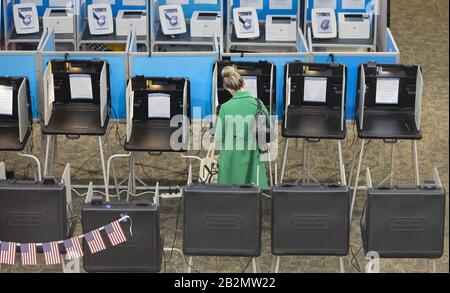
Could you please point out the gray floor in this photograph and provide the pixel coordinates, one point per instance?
(421, 31)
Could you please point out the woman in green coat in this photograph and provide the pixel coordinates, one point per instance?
(239, 158)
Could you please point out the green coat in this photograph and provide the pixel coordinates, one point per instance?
(239, 156)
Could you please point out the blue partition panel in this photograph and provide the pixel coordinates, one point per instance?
(118, 6)
(198, 69)
(353, 63)
(262, 13)
(117, 67)
(188, 9)
(279, 62)
(338, 8)
(22, 64)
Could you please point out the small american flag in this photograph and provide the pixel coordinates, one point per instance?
(28, 254)
(73, 248)
(8, 252)
(51, 253)
(115, 233)
(94, 241)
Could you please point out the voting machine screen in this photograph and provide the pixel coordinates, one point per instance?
(390, 86)
(259, 80)
(316, 84)
(78, 81)
(159, 98)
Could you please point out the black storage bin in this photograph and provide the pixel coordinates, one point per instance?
(32, 211)
(404, 222)
(222, 220)
(142, 252)
(310, 219)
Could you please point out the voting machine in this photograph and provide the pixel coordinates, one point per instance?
(76, 97)
(158, 114)
(259, 79)
(15, 113)
(389, 101)
(314, 100)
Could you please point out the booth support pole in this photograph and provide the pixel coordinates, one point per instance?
(102, 158)
(355, 189)
(304, 161)
(392, 164)
(415, 162)
(113, 167)
(283, 166)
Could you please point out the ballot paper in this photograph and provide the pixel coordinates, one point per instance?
(280, 4)
(315, 89)
(159, 106)
(387, 91)
(258, 4)
(6, 100)
(80, 86)
(251, 85)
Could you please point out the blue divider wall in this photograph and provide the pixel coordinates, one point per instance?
(279, 62)
(22, 64)
(198, 69)
(338, 8)
(266, 11)
(188, 9)
(117, 66)
(353, 63)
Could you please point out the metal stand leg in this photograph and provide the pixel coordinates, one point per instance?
(283, 166)
(47, 153)
(255, 265)
(355, 190)
(415, 162)
(102, 158)
(433, 264)
(276, 265)
(54, 153)
(392, 165)
(341, 264)
(190, 261)
(113, 167)
(304, 163)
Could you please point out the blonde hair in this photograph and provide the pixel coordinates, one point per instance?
(232, 80)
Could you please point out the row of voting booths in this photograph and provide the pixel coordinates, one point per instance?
(314, 85)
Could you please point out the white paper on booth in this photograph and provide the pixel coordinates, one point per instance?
(6, 100)
(60, 3)
(387, 91)
(205, 2)
(177, 2)
(80, 86)
(258, 4)
(251, 85)
(37, 2)
(353, 4)
(158, 105)
(325, 4)
(112, 2)
(133, 2)
(280, 4)
(315, 89)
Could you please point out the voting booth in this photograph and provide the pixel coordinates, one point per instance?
(404, 221)
(259, 79)
(222, 220)
(15, 113)
(389, 109)
(186, 26)
(263, 26)
(24, 23)
(105, 26)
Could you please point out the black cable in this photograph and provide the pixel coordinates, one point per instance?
(245, 268)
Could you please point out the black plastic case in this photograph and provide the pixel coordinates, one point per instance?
(404, 222)
(310, 219)
(222, 220)
(140, 253)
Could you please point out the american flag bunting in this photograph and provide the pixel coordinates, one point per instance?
(51, 253)
(115, 233)
(73, 247)
(8, 253)
(94, 241)
(28, 254)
